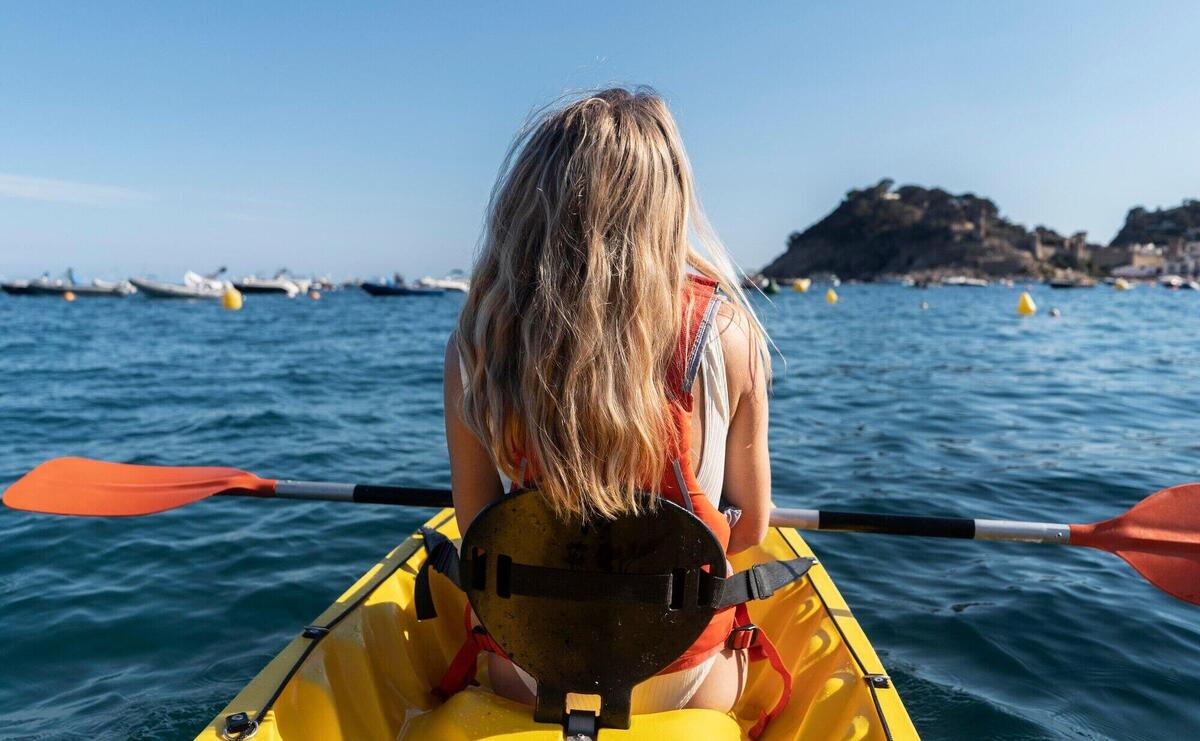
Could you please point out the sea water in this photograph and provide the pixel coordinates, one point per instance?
(144, 628)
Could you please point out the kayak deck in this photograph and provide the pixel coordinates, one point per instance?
(369, 676)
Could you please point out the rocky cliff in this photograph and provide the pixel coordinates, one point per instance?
(911, 230)
(1161, 226)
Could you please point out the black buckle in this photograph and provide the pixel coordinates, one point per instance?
(742, 636)
(760, 588)
(315, 632)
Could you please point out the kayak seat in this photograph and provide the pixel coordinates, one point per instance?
(589, 608)
(477, 713)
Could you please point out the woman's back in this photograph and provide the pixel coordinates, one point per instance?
(580, 314)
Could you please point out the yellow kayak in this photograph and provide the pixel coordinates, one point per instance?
(363, 670)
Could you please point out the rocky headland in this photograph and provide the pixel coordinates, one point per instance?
(919, 232)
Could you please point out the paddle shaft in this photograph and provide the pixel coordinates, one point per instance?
(406, 496)
(803, 519)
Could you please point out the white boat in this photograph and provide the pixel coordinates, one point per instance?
(962, 280)
(454, 281)
(194, 286)
(281, 283)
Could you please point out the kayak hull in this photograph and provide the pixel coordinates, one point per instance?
(369, 676)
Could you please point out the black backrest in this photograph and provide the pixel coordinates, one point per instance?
(591, 609)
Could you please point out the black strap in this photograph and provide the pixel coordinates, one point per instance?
(757, 582)
(442, 557)
(585, 586)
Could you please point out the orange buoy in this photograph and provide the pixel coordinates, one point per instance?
(69, 296)
(315, 295)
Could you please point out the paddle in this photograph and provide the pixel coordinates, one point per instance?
(1159, 536)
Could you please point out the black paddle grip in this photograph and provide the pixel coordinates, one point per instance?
(405, 496)
(863, 522)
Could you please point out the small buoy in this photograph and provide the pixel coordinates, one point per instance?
(924, 305)
(1025, 305)
(69, 296)
(1054, 311)
(231, 299)
(1122, 285)
(315, 295)
(801, 285)
(831, 297)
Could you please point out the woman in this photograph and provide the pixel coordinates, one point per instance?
(571, 324)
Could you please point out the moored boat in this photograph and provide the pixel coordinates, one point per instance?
(194, 286)
(1072, 282)
(400, 289)
(45, 286)
(365, 669)
(281, 283)
(20, 288)
(962, 281)
(454, 281)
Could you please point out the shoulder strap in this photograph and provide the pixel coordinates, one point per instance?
(700, 307)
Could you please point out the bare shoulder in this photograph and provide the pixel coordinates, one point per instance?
(451, 373)
(741, 359)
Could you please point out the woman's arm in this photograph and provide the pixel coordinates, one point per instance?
(747, 460)
(473, 475)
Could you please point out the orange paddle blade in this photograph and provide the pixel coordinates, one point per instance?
(80, 486)
(1159, 536)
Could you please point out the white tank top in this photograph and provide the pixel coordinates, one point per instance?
(714, 403)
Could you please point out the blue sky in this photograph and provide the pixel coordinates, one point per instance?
(362, 138)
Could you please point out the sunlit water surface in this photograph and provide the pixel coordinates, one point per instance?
(144, 628)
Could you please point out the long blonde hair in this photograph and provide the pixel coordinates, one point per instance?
(576, 301)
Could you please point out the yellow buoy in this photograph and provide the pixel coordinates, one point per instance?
(801, 285)
(69, 296)
(315, 295)
(231, 299)
(831, 297)
(1025, 305)
(1122, 285)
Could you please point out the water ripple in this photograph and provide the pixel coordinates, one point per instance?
(150, 625)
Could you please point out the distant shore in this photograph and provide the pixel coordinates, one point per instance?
(930, 235)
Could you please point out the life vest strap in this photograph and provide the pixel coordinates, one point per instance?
(760, 647)
(442, 556)
(463, 666)
(757, 582)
